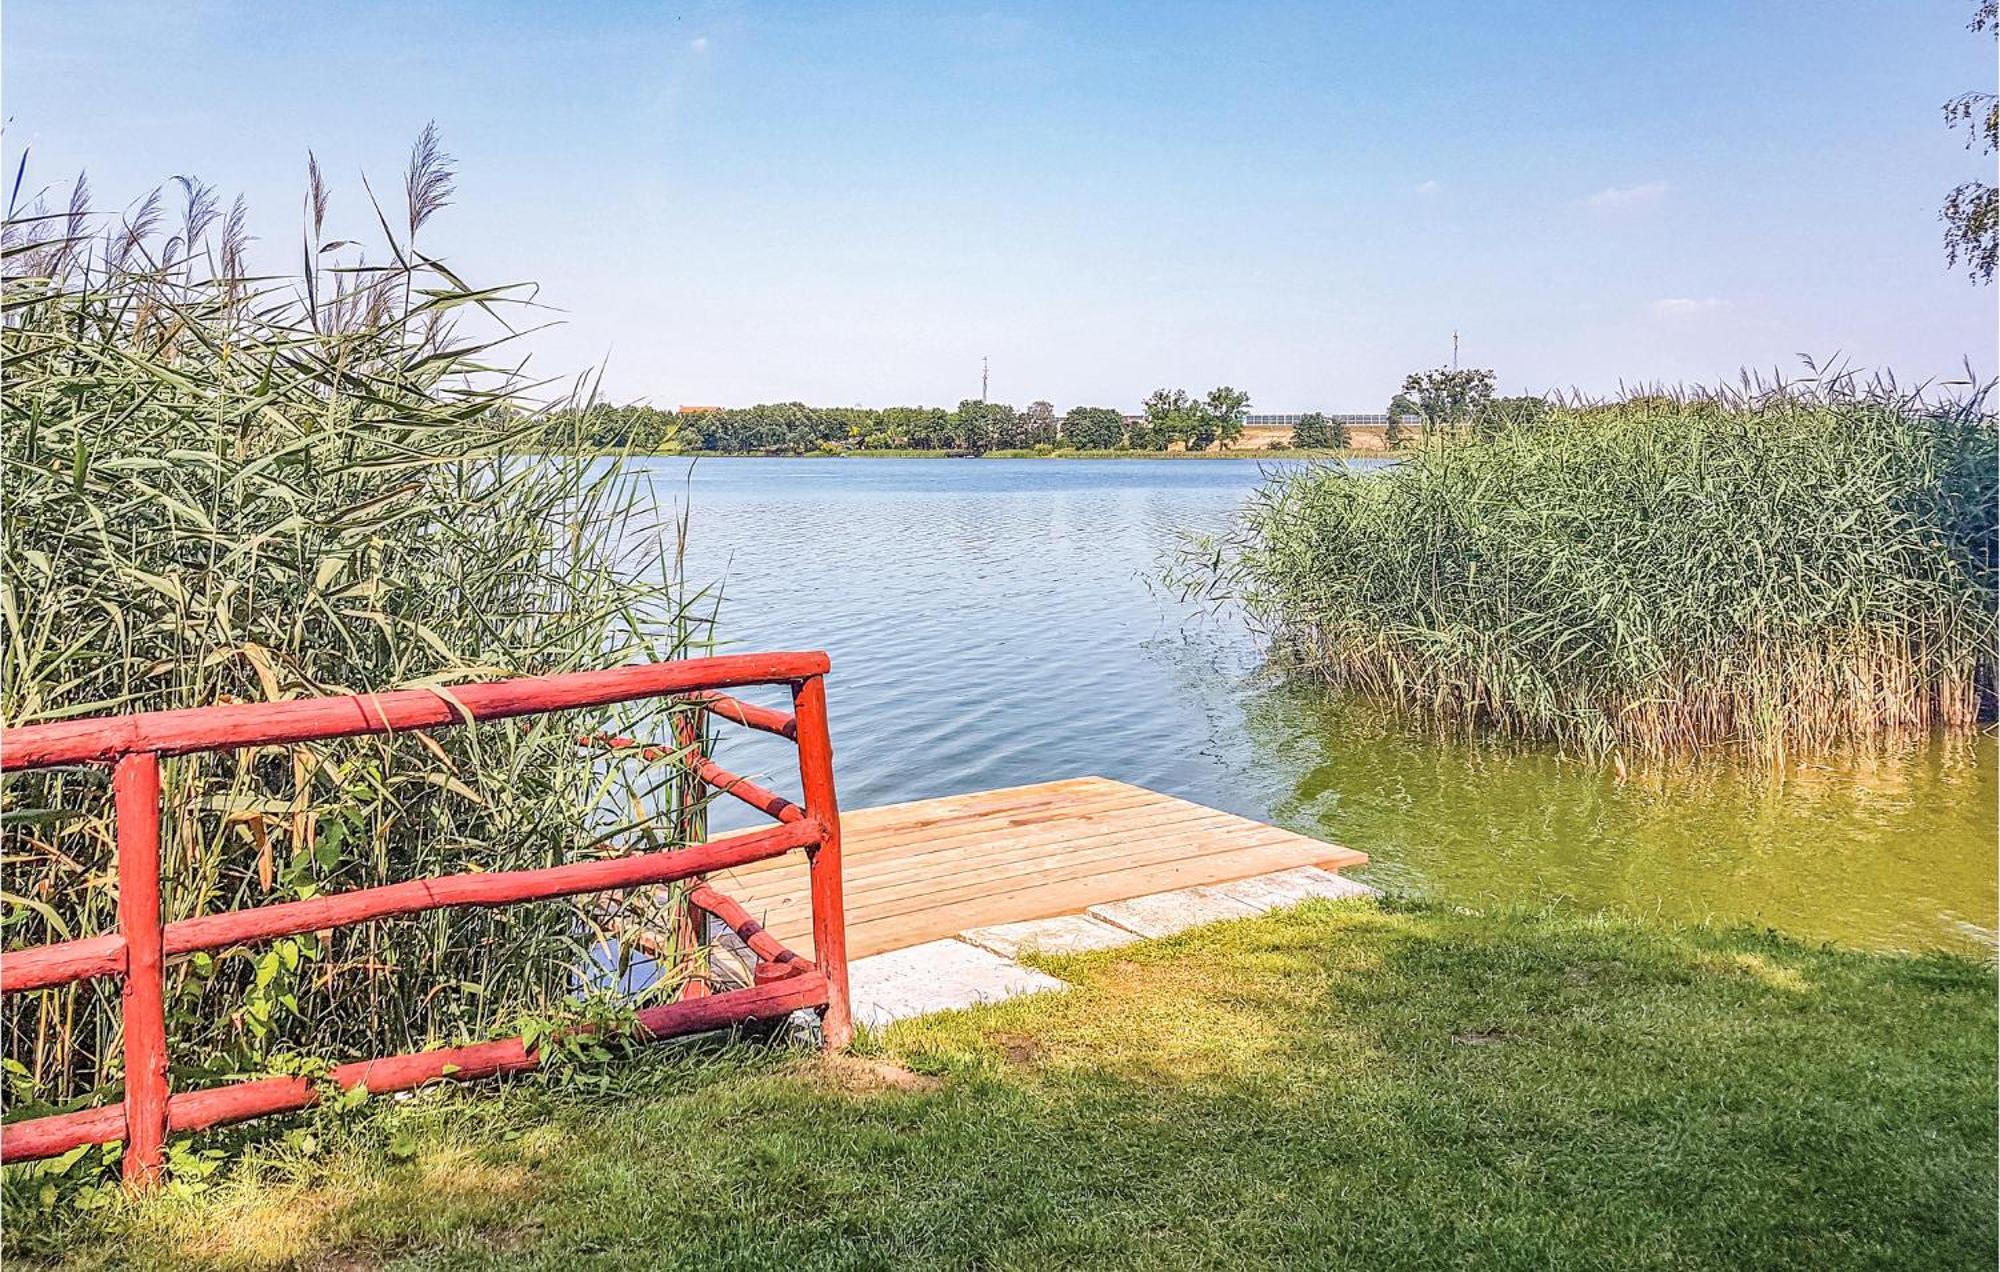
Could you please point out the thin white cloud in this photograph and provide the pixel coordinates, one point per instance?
(1688, 306)
(1628, 196)
(1428, 187)
(699, 44)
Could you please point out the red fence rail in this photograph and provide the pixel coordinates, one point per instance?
(134, 744)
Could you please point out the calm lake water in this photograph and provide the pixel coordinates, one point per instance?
(997, 622)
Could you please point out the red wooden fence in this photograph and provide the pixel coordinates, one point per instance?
(138, 951)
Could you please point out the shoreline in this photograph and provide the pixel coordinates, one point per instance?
(1286, 453)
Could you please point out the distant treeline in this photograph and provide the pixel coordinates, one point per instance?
(1169, 416)
(1446, 399)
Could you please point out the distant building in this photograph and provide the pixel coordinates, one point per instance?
(1375, 420)
(699, 410)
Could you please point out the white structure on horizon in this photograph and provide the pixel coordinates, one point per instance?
(1379, 419)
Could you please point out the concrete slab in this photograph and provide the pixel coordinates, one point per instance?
(1063, 934)
(935, 976)
(1165, 913)
(1284, 888)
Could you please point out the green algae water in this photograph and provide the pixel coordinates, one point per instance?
(998, 622)
(1893, 849)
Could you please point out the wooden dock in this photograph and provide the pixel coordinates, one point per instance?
(933, 868)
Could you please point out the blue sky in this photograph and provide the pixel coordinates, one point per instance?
(854, 203)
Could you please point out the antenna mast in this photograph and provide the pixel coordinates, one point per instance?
(1454, 348)
(982, 377)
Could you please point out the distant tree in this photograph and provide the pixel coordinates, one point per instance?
(850, 424)
(1396, 436)
(721, 430)
(1141, 435)
(1037, 425)
(790, 428)
(1093, 428)
(769, 428)
(1971, 213)
(1218, 417)
(1006, 432)
(1315, 431)
(603, 426)
(1163, 403)
(980, 425)
(1170, 417)
(1002, 422)
(1450, 398)
(917, 428)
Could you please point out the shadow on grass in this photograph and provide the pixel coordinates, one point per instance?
(1340, 1084)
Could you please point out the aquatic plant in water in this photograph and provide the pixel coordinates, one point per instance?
(1782, 567)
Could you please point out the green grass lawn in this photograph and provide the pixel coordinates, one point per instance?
(1339, 1085)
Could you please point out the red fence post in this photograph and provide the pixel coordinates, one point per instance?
(135, 786)
(689, 929)
(829, 915)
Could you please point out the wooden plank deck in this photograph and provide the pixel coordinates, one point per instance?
(920, 871)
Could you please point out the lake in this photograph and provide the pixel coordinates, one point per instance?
(998, 622)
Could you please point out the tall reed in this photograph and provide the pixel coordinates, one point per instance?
(1781, 567)
(223, 487)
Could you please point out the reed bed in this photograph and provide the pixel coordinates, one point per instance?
(224, 487)
(1780, 568)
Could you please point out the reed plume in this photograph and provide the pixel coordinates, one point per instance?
(227, 487)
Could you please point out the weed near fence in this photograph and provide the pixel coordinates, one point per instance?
(225, 487)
